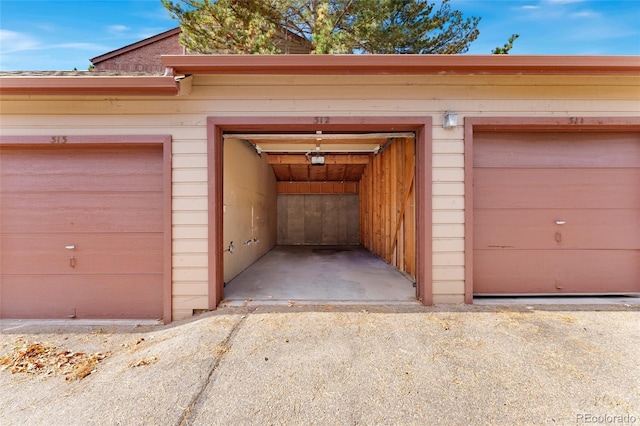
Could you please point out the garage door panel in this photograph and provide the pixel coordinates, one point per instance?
(539, 271)
(537, 228)
(93, 254)
(107, 201)
(557, 150)
(66, 169)
(556, 188)
(525, 182)
(89, 212)
(95, 296)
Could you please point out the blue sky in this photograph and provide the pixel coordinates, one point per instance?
(61, 35)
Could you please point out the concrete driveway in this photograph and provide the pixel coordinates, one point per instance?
(366, 365)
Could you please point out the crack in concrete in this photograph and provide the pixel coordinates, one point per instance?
(227, 342)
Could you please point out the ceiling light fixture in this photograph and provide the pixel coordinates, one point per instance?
(317, 160)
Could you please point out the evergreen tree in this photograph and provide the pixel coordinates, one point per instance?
(322, 26)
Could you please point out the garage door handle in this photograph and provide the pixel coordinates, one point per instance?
(72, 262)
(558, 236)
(560, 222)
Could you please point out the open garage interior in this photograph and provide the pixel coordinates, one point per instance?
(556, 213)
(322, 217)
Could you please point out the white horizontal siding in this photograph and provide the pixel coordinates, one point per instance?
(447, 202)
(447, 146)
(191, 260)
(448, 273)
(189, 231)
(189, 175)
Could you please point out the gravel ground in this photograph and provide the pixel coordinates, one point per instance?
(368, 365)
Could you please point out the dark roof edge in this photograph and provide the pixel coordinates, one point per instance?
(401, 64)
(114, 86)
(136, 45)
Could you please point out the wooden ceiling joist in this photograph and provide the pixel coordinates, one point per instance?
(328, 159)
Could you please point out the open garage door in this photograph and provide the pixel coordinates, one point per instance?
(340, 201)
(556, 213)
(418, 128)
(82, 231)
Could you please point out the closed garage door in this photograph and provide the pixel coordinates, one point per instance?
(82, 231)
(556, 213)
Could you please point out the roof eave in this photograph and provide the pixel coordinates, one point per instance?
(73, 85)
(402, 64)
(136, 45)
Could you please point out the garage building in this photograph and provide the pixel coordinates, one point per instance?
(141, 197)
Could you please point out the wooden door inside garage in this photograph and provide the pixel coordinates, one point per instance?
(82, 231)
(556, 213)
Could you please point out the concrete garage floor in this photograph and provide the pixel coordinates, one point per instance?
(309, 274)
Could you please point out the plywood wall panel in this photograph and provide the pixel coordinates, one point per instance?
(250, 204)
(387, 210)
(318, 219)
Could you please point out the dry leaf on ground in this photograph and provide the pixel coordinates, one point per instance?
(144, 361)
(42, 358)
